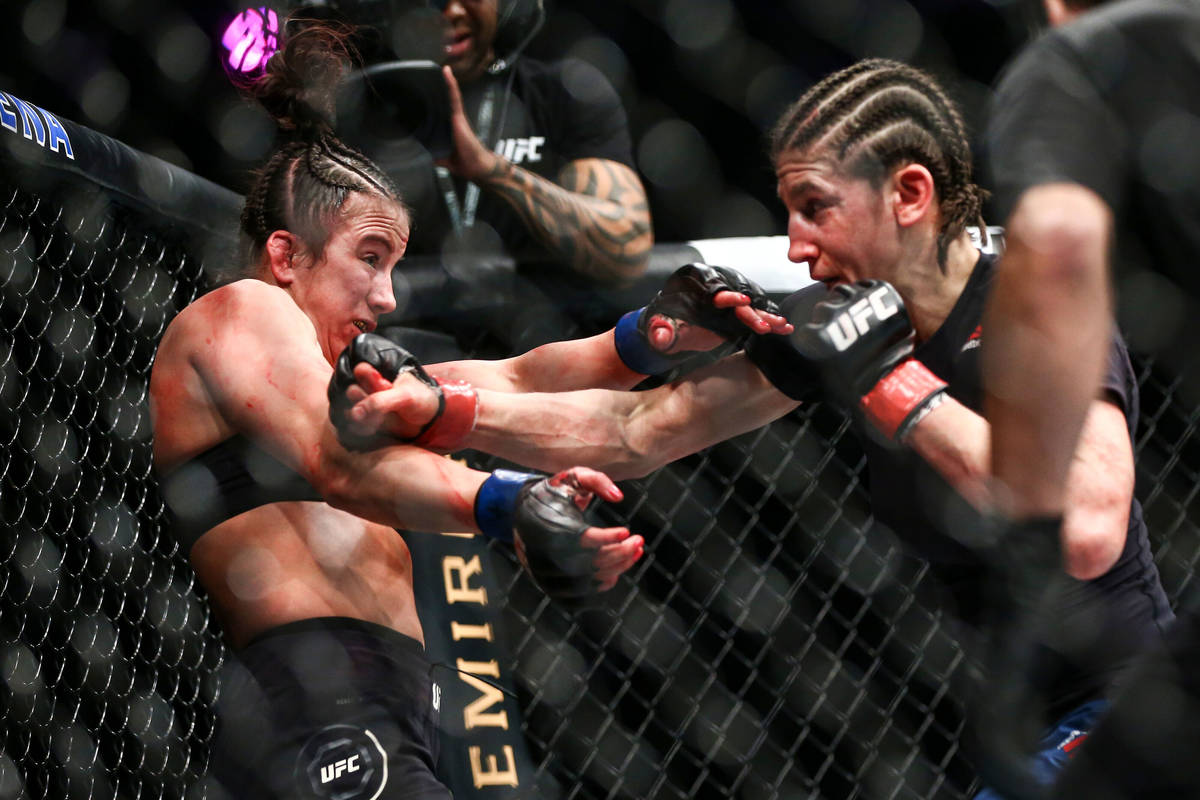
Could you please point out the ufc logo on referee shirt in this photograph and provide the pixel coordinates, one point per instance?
(521, 150)
(847, 326)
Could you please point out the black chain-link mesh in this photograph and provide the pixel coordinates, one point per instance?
(1168, 462)
(773, 643)
(107, 654)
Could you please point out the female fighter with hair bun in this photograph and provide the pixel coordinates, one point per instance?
(291, 533)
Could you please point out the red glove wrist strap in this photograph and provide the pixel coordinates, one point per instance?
(900, 396)
(448, 432)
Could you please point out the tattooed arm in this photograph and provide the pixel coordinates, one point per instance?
(595, 218)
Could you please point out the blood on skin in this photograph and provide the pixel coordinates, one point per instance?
(461, 506)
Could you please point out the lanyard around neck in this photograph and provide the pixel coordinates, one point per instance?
(462, 216)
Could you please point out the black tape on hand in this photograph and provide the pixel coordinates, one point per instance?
(390, 360)
(550, 526)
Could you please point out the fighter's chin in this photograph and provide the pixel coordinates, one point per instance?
(343, 339)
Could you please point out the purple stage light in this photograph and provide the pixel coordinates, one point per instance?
(251, 38)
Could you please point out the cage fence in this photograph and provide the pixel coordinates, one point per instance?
(775, 642)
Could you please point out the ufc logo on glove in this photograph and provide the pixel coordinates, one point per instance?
(844, 329)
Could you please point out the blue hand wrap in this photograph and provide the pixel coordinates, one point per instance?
(635, 351)
(496, 501)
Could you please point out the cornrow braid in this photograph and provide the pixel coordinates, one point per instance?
(349, 168)
(303, 188)
(260, 214)
(879, 114)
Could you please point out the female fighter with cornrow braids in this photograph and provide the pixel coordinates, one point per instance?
(873, 166)
(897, 115)
(290, 533)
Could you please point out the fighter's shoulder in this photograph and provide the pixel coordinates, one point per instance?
(234, 309)
(239, 299)
(211, 327)
(246, 290)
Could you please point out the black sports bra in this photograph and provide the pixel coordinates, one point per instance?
(233, 476)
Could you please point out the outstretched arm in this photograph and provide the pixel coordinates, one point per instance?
(626, 434)
(699, 307)
(595, 363)
(595, 218)
(563, 366)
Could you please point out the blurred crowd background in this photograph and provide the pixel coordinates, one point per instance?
(701, 80)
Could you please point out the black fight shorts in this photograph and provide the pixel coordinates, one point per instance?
(327, 709)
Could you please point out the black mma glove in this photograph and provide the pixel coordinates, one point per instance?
(688, 296)
(788, 369)
(457, 401)
(548, 526)
(861, 340)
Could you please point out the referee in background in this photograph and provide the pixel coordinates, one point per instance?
(1093, 155)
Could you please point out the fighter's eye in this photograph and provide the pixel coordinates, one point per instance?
(813, 206)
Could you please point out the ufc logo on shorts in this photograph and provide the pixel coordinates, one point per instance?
(333, 771)
(845, 329)
(522, 149)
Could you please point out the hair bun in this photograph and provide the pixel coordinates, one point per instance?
(300, 83)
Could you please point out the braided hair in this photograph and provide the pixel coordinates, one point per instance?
(879, 114)
(303, 187)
